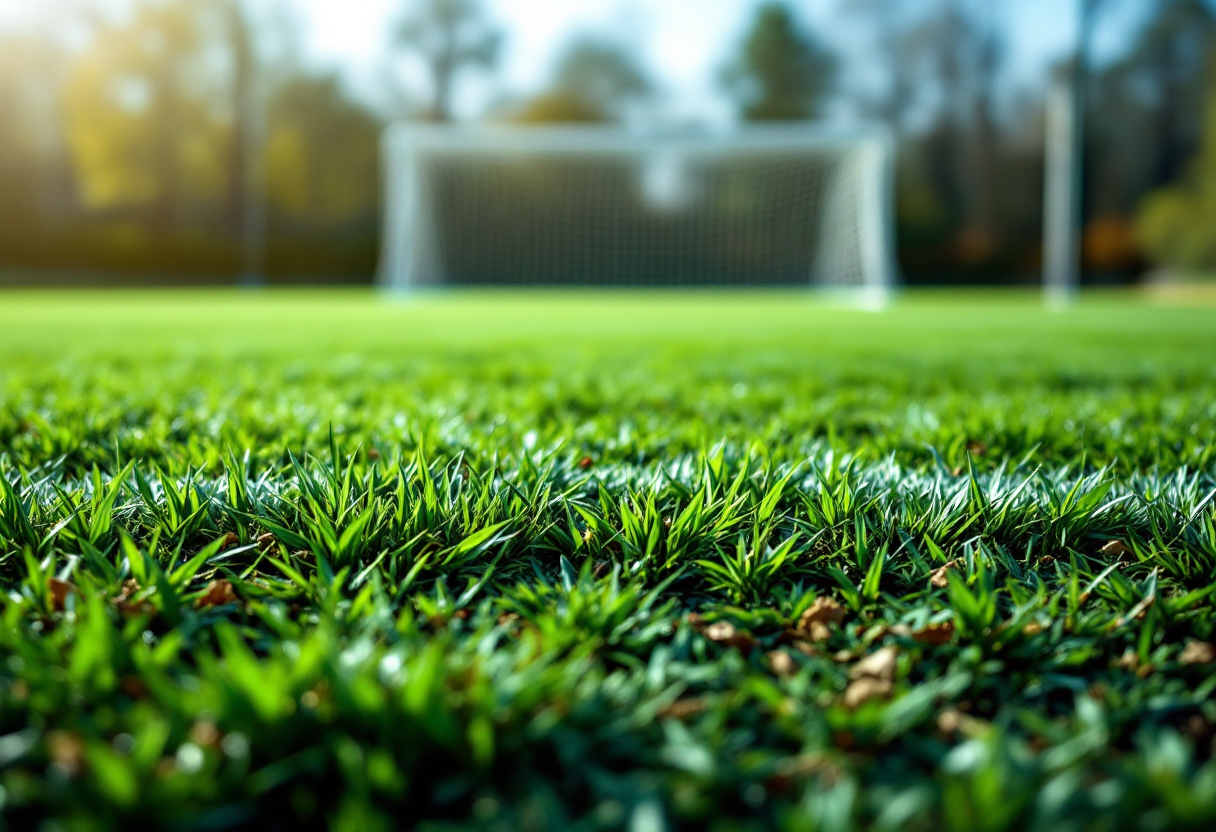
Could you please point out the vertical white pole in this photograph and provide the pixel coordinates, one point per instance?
(1061, 200)
(876, 220)
(253, 232)
(1062, 190)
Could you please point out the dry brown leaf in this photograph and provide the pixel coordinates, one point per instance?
(684, 708)
(230, 540)
(817, 622)
(877, 665)
(1116, 549)
(865, 689)
(790, 771)
(954, 721)
(720, 631)
(818, 631)
(265, 541)
(1198, 652)
(723, 632)
(60, 590)
(134, 609)
(131, 608)
(782, 663)
(940, 633)
(806, 648)
(938, 579)
(66, 750)
(205, 734)
(219, 592)
(824, 610)
(1128, 661)
(133, 686)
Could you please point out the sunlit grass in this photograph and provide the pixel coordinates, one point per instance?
(606, 560)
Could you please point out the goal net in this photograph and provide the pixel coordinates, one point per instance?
(773, 205)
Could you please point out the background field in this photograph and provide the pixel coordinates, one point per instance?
(557, 560)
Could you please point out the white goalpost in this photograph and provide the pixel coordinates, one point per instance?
(572, 205)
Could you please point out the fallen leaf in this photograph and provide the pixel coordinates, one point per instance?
(806, 648)
(66, 750)
(941, 633)
(954, 721)
(1198, 652)
(1128, 661)
(205, 734)
(790, 771)
(877, 665)
(865, 689)
(60, 590)
(938, 579)
(135, 609)
(723, 632)
(265, 541)
(825, 610)
(684, 708)
(230, 540)
(782, 663)
(130, 608)
(133, 686)
(817, 622)
(1116, 549)
(218, 593)
(720, 631)
(818, 631)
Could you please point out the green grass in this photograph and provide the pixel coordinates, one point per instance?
(600, 560)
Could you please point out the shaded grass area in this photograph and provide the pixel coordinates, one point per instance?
(633, 561)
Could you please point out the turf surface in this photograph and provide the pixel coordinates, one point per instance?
(606, 561)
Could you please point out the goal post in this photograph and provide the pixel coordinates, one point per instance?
(793, 204)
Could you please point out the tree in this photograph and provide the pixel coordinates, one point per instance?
(594, 80)
(322, 155)
(449, 36)
(1148, 106)
(145, 115)
(781, 72)
(1175, 223)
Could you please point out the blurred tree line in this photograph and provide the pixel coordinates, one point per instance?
(130, 145)
(130, 155)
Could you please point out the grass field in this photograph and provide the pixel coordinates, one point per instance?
(640, 561)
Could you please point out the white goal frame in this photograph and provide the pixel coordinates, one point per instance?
(867, 150)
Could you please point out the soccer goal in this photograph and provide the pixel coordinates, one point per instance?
(771, 205)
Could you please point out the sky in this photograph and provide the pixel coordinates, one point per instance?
(682, 43)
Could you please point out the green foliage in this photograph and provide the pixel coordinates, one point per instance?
(1175, 222)
(594, 80)
(781, 73)
(553, 586)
